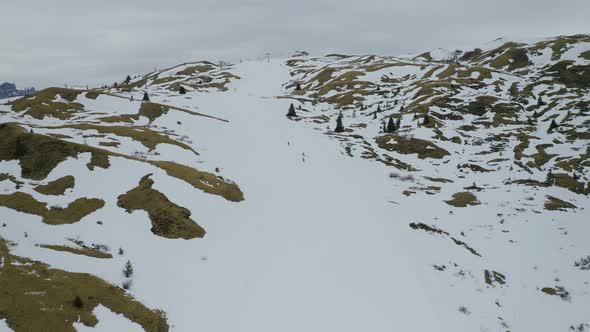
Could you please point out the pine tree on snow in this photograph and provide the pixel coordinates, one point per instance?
(390, 126)
(553, 125)
(291, 111)
(339, 126)
(128, 270)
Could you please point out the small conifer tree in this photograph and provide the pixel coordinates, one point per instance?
(390, 126)
(128, 270)
(553, 125)
(398, 123)
(146, 97)
(426, 121)
(291, 111)
(182, 90)
(339, 126)
(128, 79)
(298, 87)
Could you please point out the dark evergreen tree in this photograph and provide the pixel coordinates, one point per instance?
(146, 97)
(553, 125)
(182, 90)
(379, 109)
(128, 79)
(298, 87)
(339, 126)
(398, 123)
(116, 85)
(128, 270)
(540, 101)
(390, 126)
(374, 115)
(426, 121)
(291, 111)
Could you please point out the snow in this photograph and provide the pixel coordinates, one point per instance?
(108, 321)
(317, 244)
(4, 327)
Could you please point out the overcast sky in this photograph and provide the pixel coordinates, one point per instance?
(96, 42)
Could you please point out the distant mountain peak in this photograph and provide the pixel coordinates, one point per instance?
(8, 90)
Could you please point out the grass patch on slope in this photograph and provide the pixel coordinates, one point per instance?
(463, 199)
(568, 182)
(44, 103)
(405, 145)
(73, 213)
(57, 187)
(39, 154)
(168, 219)
(150, 110)
(89, 252)
(35, 297)
(514, 58)
(556, 204)
(566, 72)
(207, 182)
(148, 138)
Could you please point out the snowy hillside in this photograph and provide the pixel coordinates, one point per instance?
(454, 196)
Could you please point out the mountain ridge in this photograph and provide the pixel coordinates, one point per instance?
(9, 90)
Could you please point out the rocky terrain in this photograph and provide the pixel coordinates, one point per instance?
(8, 90)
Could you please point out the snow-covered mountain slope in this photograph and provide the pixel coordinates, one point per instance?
(238, 218)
